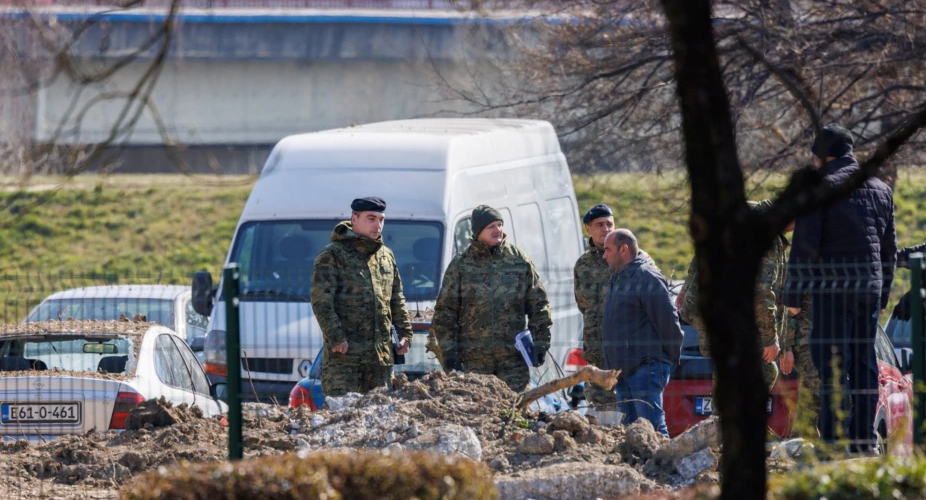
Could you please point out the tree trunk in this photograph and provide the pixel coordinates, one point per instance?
(730, 240)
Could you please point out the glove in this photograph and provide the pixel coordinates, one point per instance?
(541, 354)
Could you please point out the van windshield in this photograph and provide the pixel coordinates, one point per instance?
(276, 258)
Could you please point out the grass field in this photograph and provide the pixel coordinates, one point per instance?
(153, 228)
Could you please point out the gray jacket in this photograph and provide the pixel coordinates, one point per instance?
(640, 321)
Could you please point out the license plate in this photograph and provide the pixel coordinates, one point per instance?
(705, 406)
(40, 413)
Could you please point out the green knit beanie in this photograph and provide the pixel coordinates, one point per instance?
(483, 215)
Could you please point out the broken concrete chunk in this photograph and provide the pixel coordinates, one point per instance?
(704, 434)
(448, 440)
(574, 481)
(537, 444)
(696, 463)
(346, 401)
(792, 449)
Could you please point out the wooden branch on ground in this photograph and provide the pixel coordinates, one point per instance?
(602, 378)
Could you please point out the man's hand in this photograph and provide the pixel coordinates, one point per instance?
(882, 311)
(403, 347)
(770, 353)
(340, 348)
(787, 362)
(794, 311)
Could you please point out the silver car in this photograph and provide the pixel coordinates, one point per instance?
(169, 305)
(70, 377)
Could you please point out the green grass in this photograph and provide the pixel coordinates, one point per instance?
(150, 228)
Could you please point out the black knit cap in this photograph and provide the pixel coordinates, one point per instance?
(834, 141)
(483, 215)
(596, 212)
(368, 204)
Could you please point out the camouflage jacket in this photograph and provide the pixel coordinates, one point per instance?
(798, 331)
(591, 276)
(357, 297)
(484, 298)
(771, 314)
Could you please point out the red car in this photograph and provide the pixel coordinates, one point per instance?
(687, 399)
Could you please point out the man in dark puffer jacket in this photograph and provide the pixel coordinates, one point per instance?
(845, 255)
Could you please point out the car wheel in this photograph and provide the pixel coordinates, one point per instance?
(881, 433)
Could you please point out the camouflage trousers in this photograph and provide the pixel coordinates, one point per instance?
(808, 400)
(596, 397)
(511, 369)
(338, 379)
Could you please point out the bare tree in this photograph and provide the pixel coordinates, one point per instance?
(39, 50)
(601, 70)
(730, 239)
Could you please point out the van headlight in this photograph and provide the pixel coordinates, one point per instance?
(214, 348)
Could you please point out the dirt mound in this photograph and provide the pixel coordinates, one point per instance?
(159, 413)
(454, 415)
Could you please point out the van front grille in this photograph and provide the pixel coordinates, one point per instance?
(267, 365)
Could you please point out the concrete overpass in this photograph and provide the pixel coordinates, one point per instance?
(236, 81)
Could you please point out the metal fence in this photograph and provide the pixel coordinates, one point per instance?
(251, 337)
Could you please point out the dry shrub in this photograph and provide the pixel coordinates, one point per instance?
(330, 476)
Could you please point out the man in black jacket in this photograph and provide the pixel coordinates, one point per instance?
(640, 331)
(845, 255)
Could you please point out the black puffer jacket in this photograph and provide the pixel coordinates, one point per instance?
(849, 246)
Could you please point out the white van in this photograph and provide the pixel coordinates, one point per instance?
(432, 173)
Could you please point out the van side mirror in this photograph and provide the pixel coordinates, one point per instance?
(906, 360)
(203, 293)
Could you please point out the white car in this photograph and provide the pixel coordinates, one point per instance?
(169, 305)
(70, 377)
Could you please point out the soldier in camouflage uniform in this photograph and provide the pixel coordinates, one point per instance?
(590, 279)
(487, 291)
(797, 353)
(357, 297)
(770, 312)
(591, 276)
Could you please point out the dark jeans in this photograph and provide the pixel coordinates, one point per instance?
(843, 335)
(639, 395)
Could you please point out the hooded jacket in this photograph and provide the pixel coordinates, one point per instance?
(357, 297)
(487, 297)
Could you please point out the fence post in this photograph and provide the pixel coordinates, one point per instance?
(233, 360)
(917, 294)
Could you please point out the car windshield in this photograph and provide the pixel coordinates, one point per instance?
(276, 258)
(79, 354)
(105, 309)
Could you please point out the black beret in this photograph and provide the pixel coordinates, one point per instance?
(368, 204)
(596, 212)
(834, 141)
